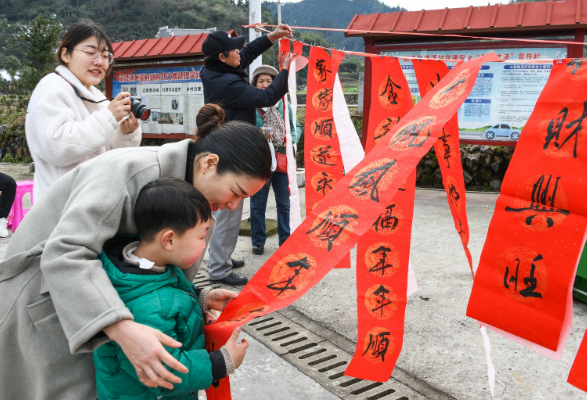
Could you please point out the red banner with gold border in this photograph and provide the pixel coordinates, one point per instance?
(577, 376)
(383, 251)
(428, 74)
(538, 229)
(323, 162)
(331, 230)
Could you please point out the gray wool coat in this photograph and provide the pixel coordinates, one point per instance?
(55, 298)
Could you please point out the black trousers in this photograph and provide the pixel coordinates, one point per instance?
(8, 189)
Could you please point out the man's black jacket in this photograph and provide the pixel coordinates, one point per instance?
(234, 93)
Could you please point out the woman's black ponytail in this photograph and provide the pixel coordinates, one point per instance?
(241, 147)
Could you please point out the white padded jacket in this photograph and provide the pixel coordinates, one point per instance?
(63, 131)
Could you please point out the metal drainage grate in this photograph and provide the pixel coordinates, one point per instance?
(314, 356)
(321, 360)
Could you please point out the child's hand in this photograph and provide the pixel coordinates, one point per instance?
(217, 299)
(237, 350)
(209, 318)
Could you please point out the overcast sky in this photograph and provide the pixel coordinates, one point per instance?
(413, 5)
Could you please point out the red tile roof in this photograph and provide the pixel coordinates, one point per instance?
(559, 15)
(175, 46)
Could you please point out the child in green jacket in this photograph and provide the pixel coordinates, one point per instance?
(172, 218)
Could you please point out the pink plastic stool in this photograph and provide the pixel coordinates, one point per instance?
(17, 213)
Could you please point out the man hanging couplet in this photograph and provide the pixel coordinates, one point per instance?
(577, 376)
(332, 229)
(383, 251)
(524, 281)
(428, 74)
(322, 153)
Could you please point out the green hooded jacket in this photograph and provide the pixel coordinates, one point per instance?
(167, 302)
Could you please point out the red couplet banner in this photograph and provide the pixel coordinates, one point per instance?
(331, 230)
(577, 375)
(529, 260)
(429, 73)
(383, 251)
(323, 161)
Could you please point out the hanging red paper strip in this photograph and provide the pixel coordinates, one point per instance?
(529, 260)
(577, 375)
(428, 74)
(322, 154)
(332, 229)
(383, 251)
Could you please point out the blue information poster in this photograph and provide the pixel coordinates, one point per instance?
(504, 95)
(174, 95)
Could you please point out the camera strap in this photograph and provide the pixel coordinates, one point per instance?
(78, 93)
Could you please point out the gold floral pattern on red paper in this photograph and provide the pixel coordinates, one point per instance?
(291, 275)
(377, 344)
(333, 226)
(372, 179)
(521, 274)
(412, 134)
(380, 301)
(450, 92)
(382, 259)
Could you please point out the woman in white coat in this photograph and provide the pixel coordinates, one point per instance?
(63, 130)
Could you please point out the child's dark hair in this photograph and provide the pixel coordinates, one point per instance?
(169, 203)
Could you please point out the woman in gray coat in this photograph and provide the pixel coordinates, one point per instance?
(57, 303)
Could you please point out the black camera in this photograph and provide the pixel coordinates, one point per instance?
(139, 110)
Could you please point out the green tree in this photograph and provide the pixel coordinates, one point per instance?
(12, 65)
(41, 36)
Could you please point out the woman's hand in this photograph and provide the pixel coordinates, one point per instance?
(120, 106)
(281, 31)
(287, 62)
(130, 124)
(143, 347)
(217, 299)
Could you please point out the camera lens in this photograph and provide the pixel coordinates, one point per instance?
(140, 110)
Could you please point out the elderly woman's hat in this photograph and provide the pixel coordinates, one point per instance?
(265, 69)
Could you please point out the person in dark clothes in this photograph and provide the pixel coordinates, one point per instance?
(8, 189)
(225, 83)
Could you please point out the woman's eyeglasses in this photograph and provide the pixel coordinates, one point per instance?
(95, 55)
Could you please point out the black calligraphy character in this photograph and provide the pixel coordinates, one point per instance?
(288, 283)
(554, 130)
(326, 98)
(389, 91)
(446, 147)
(577, 63)
(434, 83)
(281, 58)
(322, 70)
(324, 128)
(382, 302)
(541, 202)
(324, 183)
(381, 265)
(323, 156)
(456, 84)
(387, 127)
(368, 181)
(379, 345)
(461, 232)
(530, 281)
(331, 227)
(386, 220)
(411, 133)
(453, 194)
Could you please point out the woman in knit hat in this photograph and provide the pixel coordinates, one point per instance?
(273, 118)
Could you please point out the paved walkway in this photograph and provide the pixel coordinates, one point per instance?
(441, 345)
